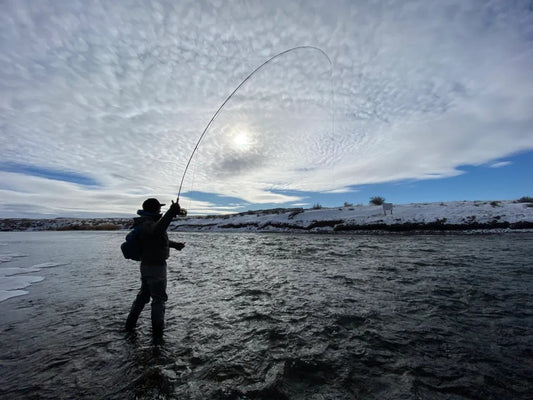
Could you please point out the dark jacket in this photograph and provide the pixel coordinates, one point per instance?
(154, 242)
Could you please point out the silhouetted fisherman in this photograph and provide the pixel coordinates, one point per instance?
(154, 245)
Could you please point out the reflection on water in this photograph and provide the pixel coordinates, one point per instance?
(259, 316)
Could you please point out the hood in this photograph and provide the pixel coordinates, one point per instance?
(143, 213)
(145, 216)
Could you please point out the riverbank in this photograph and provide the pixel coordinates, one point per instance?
(64, 224)
(442, 216)
(494, 216)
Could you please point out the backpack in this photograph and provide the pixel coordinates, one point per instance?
(131, 248)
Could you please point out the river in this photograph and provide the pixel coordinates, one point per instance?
(271, 316)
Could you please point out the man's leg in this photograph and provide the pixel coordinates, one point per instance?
(142, 298)
(158, 292)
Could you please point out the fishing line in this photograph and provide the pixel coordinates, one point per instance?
(235, 91)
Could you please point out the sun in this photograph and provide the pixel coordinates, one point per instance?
(241, 140)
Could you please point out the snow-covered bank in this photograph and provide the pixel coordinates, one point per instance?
(64, 224)
(461, 215)
(446, 216)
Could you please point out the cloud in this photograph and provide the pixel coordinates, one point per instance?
(500, 164)
(119, 93)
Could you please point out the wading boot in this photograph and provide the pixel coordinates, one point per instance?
(133, 316)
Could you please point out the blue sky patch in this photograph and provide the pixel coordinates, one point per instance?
(48, 173)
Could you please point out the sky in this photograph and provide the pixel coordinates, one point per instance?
(103, 103)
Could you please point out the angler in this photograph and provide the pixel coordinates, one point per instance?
(154, 251)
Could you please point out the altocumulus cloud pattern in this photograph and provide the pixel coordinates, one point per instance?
(103, 102)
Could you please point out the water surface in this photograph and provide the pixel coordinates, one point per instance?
(274, 316)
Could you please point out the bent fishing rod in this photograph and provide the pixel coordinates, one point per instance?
(235, 91)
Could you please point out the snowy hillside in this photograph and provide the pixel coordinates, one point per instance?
(449, 216)
(464, 215)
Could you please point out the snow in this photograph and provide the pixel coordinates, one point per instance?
(468, 214)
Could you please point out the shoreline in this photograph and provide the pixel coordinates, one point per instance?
(441, 217)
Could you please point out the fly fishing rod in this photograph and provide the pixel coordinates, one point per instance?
(235, 91)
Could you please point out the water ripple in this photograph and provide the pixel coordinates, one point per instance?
(278, 317)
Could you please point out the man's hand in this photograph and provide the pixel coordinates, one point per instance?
(175, 208)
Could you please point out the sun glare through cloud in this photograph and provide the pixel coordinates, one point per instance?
(241, 140)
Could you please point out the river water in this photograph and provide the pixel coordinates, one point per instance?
(273, 316)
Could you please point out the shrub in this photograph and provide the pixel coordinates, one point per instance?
(346, 204)
(525, 199)
(495, 204)
(377, 200)
(102, 227)
(317, 206)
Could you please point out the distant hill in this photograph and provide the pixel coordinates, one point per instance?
(444, 216)
(64, 224)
